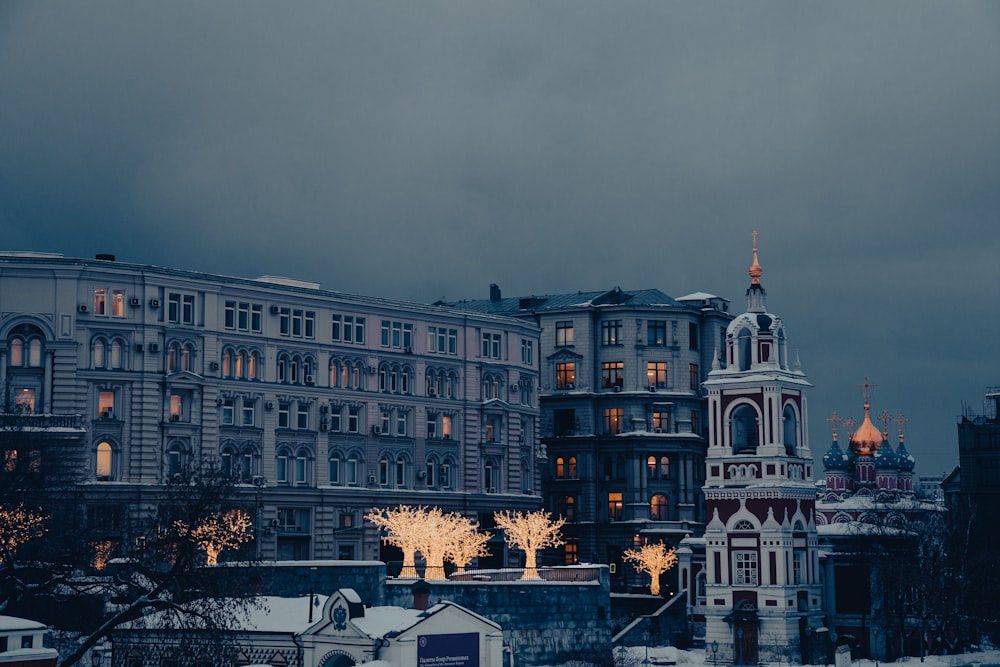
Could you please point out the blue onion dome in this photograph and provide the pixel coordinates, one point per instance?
(885, 458)
(905, 459)
(835, 458)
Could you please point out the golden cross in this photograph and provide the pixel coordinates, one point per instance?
(834, 419)
(900, 420)
(867, 386)
(884, 418)
(850, 424)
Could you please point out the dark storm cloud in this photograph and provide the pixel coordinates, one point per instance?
(425, 150)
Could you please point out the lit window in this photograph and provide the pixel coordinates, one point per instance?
(564, 334)
(104, 454)
(100, 301)
(613, 420)
(614, 506)
(656, 374)
(565, 375)
(611, 332)
(661, 421)
(612, 374)
(658, 507)
(106, 404)
(656, 333)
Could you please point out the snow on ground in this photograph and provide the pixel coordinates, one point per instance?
(669, 655)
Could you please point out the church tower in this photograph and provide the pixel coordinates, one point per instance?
(762, 586)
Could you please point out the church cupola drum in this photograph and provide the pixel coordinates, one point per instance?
(763, 594)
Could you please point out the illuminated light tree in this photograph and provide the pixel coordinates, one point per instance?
(18, 525)
(654, 559)
(405, 528)
(218, 531)
(469, 543)
(530, 532)
(437, 531)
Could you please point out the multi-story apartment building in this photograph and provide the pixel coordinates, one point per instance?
(623, 413)
(324, 404)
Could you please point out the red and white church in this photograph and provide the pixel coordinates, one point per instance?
(754, 580)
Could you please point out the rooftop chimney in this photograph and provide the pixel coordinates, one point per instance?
(421, 595)
(494, 292)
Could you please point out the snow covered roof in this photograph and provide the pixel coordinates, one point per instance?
(15, 624)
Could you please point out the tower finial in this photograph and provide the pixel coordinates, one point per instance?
(834, 419)
(755, 270)
(884, 418)
(900, 420)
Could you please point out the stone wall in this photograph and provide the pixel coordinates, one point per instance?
(545, 622)
(323, 577)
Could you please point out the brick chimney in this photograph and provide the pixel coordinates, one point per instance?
(421, 595)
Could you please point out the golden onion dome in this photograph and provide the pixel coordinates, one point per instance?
(867, 439)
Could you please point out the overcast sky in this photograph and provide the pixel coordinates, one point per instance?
(423, 150)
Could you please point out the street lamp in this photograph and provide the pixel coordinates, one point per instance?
(715, 653)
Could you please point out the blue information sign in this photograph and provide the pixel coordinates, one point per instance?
(460, 650)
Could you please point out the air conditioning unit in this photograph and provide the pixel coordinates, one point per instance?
(431, 391)
(443, 469)
(324, 409)
(154, 347)
(175, 418)
(214, 365)
(408, 350)
(138, 347)
(372, 370)
(154, 303)
(135, 302)
(219, 401)
(377, 430)
(309, 379)
(446, 436)
(258, 480)
(269, 405)
(323, 424)
(82, 308)
(107, 414)
(422, 474)
(618, 387)
(657, 430)
(652, 387)
(570, 385)
(371, 479)
(492, 489)
(275, 310)
(514, 388)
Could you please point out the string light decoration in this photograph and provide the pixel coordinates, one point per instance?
(18, 526)
(470, 543)
(404, 528)
(219, 531)
(654, 559)
(530, 532)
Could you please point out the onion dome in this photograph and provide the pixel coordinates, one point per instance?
(885, 459)
(903, 457)
(867, 439)
(835, 458)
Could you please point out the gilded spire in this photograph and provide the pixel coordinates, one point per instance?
(755, 270)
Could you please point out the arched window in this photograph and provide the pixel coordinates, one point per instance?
(651, 467)
(104, 461)
(744, 430)
(117, 354)
(100, 348)
(664, 467)
(281, 463)
(176, 461)
(35, 352)
(560, 467)
(335, 370)
(658, 507)
(567, 508)
(571, 469)
(744, 524)
(745, 340)
(16, 353)
(791, 429)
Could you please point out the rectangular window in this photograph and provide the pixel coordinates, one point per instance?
(118, 303)
(441, 340)
(566, 375)
(696, 422)
(106, 404)
(100, 301)
(284, 415)
(243, 316)
(173, 307)
(281, 469)
(334, 470)
(797, 569)
(432, 425)
(383, 472)
(248, 412)
(400, 422)
(694, 376)
(353, 419)
(351, 471)
(564, 334)
(187, 309)
(446, 426)
(661, 421)
(745, 563)
(228, 412)
(293, 520)
(492, 344)
(385, 417)
(176, 407)
(693, 335)
(656, 333)
(400, 472)
(397, 334)
(302, 416)
(614, 507)
(493, 424)
(611, 332)
(613, 420)
(348, 329)
(527, 352)
(335, 418)
(656, 374)
(612, 374)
